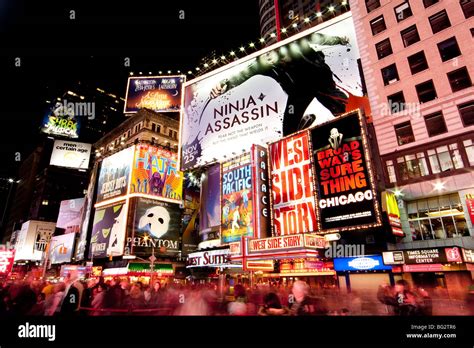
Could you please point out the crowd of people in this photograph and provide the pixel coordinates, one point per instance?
(116, 296)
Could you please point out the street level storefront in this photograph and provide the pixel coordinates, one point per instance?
(209, 264)
(443, 270)
(142, 272)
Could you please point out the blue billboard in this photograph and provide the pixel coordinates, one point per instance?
(360, 263)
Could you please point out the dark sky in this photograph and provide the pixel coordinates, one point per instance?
(56, 51)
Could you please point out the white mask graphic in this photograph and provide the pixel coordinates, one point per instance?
(156, 220)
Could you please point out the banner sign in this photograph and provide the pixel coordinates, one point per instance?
(190, 236)
(61, 248)
(32, 240)
(114, 175)
(470, 206)
(272, 93)
(261, 194)
(390, 205)
(236, 199)
(70, 215)
(156, 93)
(287, 242)
(7, 258)
(393, 257)
(70, 154)
(434, 255)
(294, 207)
(345, 184)
(362, 263)
(155, 172)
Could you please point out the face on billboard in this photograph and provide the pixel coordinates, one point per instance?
(70, 215)
(294, 208)
(108, 231)
(114, 175)
(70, 154)
(155, 172)
(157, 225)
(160, 94)
(346, 196)
(304, 82)
(236, 199)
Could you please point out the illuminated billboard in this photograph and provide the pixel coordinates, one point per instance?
(305, 80)
(156, 93)
(114, 175)
(32, 240)
(61, 120)
(210, 213)
(294, 206)
(345, 184)
(155, 172)
(70, 215)
(236, 199)
(108, 231)
(70, 154)
(61, 248)
(156, 228)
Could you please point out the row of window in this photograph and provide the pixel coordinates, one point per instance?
(403, 10)
(458, 79)
(435, 124)
(154, 127)
(431, 161)
(448, 49)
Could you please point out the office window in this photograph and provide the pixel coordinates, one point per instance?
(390, 74)
(428, 3)
(469, 147)
(377, 25)
(439, 21)
(396, 102)
(404, 133)
(472, 32)
(426, 91)
(417, 62)
(403, 11)
(466, 111)
(410, 36)
(170, 133)
(372, 5)
(391, 172)
(158, 128)
(383, 48)
(412, 166)
(153, 127)
(435, 124)
(459, 79)
(467, 8)
(449, 49)
(445, 158)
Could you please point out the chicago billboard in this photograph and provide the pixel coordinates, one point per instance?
(156, 93)
(155, 172)
(345, 184)
(300, 82)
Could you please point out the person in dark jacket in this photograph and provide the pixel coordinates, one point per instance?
(38, 308)
(272, 306)
(25, 299)
(115, 295)
(303, 304)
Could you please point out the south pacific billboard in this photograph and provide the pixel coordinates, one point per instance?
(300, 82)
(155, 172)
(156, 93)
(114, 175)
(345, 184)
(108, 231)
(293, 201)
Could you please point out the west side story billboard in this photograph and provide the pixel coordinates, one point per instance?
(300, 82)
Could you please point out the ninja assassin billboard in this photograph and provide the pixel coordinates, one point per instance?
(298, 83)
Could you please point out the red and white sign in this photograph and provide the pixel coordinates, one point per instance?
(470, 206)
(259, 265)
(6, 261)
(468, 255)
(293, 241)
(211, 258)
(453, 254)
(434, 267)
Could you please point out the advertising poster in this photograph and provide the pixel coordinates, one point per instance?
(32, 240)
(114, 175)
(6, 262)
(470, 206)
(390, 205)
(61, 248)
(346, 194)
(70, 215)
(210, 215)
(300, 82)
(261, 192)
(190, 236)
(294, 206)
(156, 228)
(156, 93)
(61, 120)
(108, 231)
(155, 172)
(70, 154)
(85, 219)
(236, 199)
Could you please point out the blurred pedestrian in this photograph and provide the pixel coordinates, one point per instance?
(98, 300)
(303, 304)
(239, 305)
(39, 307)
(425, 302)
(53, 304)
(272, 306)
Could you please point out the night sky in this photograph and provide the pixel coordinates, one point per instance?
(56, 52)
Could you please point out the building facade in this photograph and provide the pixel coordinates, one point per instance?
(416, 58)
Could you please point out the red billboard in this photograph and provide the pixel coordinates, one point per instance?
(294, 206)
(6, 261)
(470, 206)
